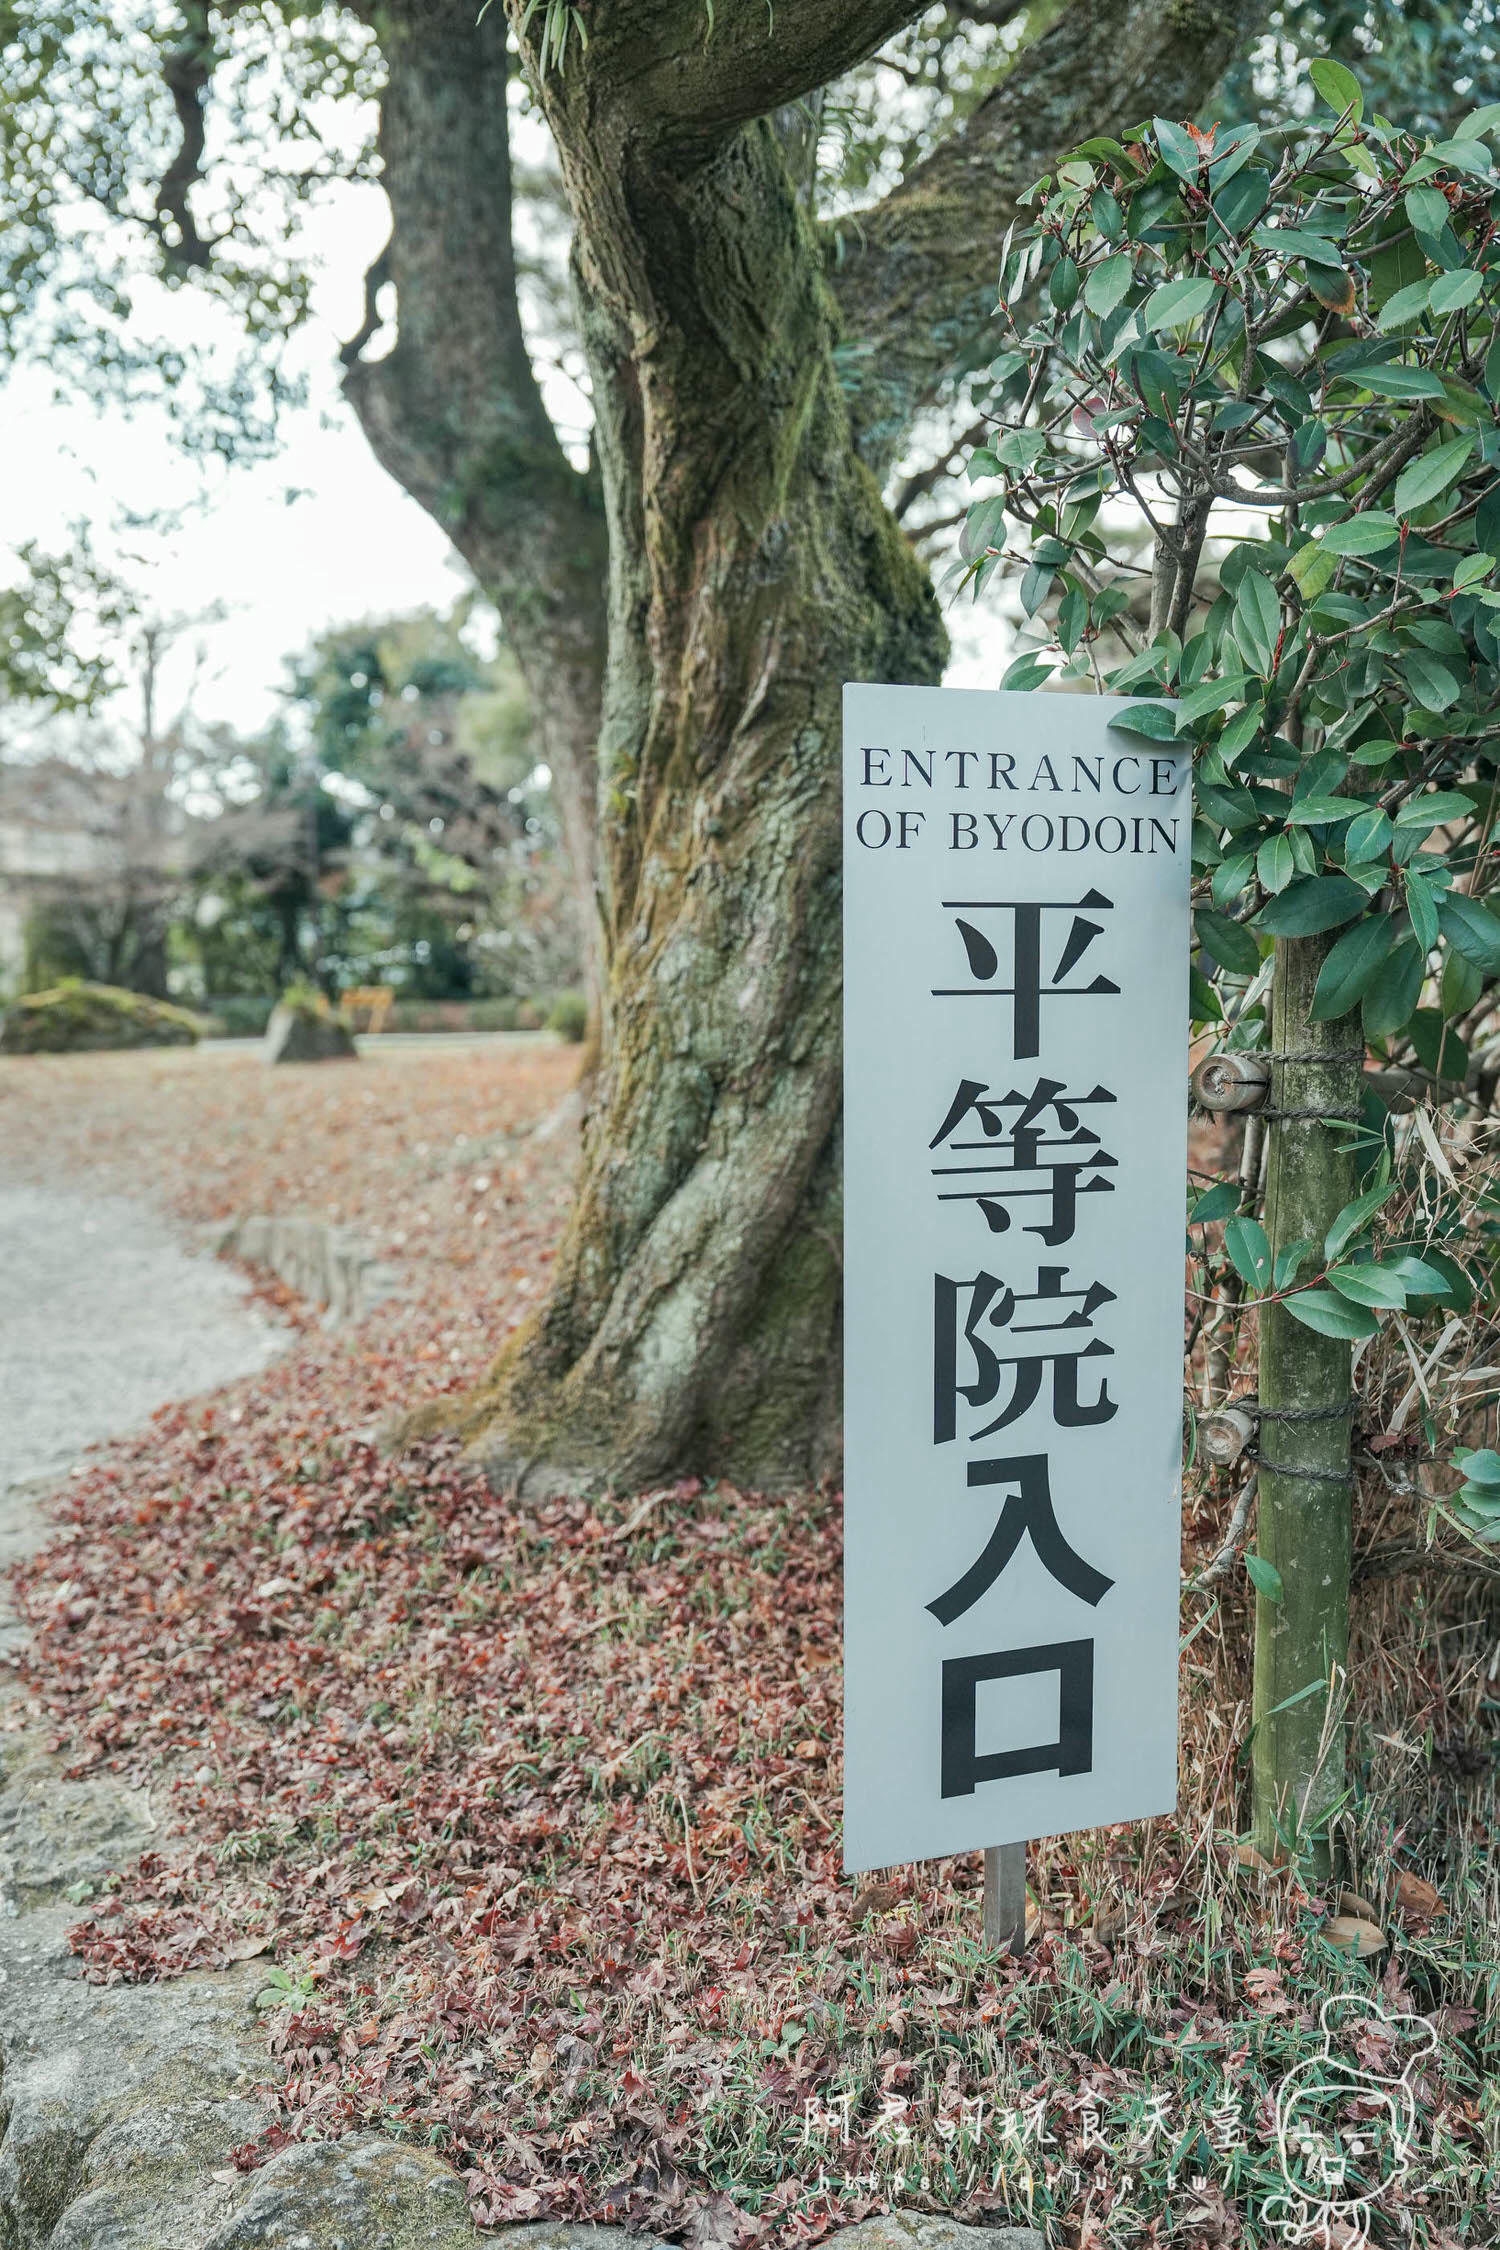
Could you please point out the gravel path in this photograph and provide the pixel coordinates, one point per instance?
(104, 1317)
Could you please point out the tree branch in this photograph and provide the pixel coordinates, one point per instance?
(915, 278)
(454, 411)
(686, 71)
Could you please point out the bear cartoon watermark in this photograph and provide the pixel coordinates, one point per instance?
(1346, 2122)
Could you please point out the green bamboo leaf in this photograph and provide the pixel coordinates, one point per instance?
(1352, 967)
(1330, 1314)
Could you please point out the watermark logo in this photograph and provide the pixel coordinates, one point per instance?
(1346, 2123)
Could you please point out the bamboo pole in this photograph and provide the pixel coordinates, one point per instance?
(1303, 1531)
(1005, 1898)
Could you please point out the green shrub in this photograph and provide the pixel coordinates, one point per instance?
(569, 1016)
(79, 1018)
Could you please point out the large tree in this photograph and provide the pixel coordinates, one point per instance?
(685, 602)
(753, 567)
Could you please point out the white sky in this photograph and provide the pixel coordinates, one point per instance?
(317, 537)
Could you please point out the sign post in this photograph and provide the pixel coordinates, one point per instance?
(1015, 1036)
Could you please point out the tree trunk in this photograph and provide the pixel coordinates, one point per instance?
(454, 412)
(694, 1319)
(1302, 1640)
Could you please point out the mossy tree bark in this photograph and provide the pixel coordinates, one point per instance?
(752, 568)
(693, 1322)
(1302, 1639)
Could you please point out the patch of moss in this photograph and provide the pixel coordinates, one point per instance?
(78, 1018)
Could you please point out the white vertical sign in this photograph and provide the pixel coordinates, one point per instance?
(1015, 1041)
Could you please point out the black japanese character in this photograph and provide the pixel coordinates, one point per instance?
(1027, 990)
(1027, 1514)
(996, 1304)
(965, 1765)
(1038, 1138)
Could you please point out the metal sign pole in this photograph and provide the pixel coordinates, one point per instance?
(1005, 1898)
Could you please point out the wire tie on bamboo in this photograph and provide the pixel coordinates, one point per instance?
(1308, 1476)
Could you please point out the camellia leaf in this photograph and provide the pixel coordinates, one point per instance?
(1230, 943)
(1274, 864)
(1369, 1285)
(1215, 1203)
(1421, 1279)
(1472, 571)
(1108, 285)
(1430, 680)
(1364, 534)
(1431, 473)
(1330, 1314)
(1157, 721)
(1452, 291)
(1175, 303)
(1355, 1216)
(1257, 621)
(1312, 567)
(1352, 967)
(1432, 810)
(1367, 837)
(1471, 930)
(1399, 382)
(1407, 304)
(1179, 150)
(1249, 1251)
(1265, 1578)
(1338, 87)
(1317, 902)
(1395, 991)
(1312, 812)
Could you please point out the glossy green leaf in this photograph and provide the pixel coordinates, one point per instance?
(1266, 1579)
(1369, 1285)
(1452, 291)
(1176, 303)
(1216, 1202)
(1157, 721)
(1355, 1217)
(1230, 943)
(1330, 1314)
(1316, 902)
(1365, 534)
(1394, 991)
(1352, 967)
(1338, 87)
(1433, 810)
(1274, 864)
(1471, 930)
(1249, 1251)
(1108, 285)
(1431, 474)
(1407, 304)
